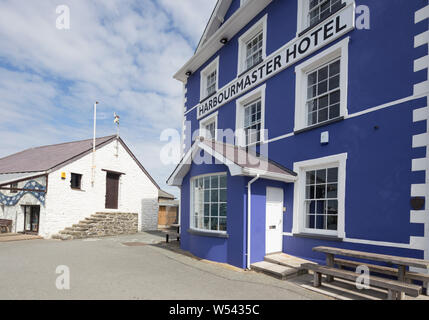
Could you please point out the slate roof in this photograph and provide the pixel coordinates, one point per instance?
(47, 157)
(51, 157)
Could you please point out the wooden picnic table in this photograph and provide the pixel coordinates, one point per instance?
(401, 262)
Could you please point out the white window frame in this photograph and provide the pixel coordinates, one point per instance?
(192, 211)
(339, 50)
(207, 120)
(299, 214)
(213, 66)
(302, 22)
(241, 103)
(258, 27)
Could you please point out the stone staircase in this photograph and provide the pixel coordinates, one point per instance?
(101, 224)
(281, 266)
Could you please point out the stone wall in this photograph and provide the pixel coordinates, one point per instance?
(100, 225)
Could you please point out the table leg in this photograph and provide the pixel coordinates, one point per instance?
(329, 263)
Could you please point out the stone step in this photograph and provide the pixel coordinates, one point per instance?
(287, 261)
(275, 270)
(63, 237)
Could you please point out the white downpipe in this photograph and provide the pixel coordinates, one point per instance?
(249, 213)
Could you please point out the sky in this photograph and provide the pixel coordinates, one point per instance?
(122, 53)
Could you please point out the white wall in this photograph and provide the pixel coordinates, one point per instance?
(65, 206)
(16, 213)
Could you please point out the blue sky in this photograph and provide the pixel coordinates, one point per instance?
(122, 53)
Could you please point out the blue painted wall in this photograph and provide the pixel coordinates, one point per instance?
(378, 177)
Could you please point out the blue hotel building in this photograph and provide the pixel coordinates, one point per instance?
(327, 101)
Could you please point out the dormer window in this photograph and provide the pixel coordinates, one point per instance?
(210, 80)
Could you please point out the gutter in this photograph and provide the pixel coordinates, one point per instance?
(249, 212)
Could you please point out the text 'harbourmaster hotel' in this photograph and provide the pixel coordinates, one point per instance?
(328, 102)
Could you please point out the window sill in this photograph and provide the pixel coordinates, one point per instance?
(208, 234)
(208, 97)
(77, 189)
(321, 20)
(322, 124)
(248, 69)
(318, 236)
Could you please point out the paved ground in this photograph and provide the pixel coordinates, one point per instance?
(108, 269)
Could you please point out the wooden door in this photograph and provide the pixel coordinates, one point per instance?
(112, 190)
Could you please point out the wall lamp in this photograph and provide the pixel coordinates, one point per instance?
(188, 73)
(224, 40)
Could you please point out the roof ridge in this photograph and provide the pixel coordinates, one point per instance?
(55, 144)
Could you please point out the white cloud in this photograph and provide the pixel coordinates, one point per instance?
(120, 52)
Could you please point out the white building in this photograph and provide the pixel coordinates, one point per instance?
(47, 189)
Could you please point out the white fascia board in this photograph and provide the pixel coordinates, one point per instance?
(270, 175)
(228, 30)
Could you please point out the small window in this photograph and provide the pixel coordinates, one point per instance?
(209, 79)
(252, 46)
(14, 187)
(313, 12)
(208, 127)
(254, 51)
(250, 114)
(76, 181)
(319, 10)
(252, 122)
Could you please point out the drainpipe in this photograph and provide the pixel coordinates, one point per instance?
(249, 213)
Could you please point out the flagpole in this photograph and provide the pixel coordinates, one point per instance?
(93, 144)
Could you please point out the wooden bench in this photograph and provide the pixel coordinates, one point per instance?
(5, 226)
(409, 276)
(404, 277)
(394, 287)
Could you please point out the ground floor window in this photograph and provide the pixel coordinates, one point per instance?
(321, 199)
(319, 196)
(209, 202)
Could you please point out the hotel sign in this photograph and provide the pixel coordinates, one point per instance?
(297, 49)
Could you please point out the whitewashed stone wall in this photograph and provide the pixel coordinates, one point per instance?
(65, 206)
(16, 213)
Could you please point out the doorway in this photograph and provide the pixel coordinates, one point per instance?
(31, 219)
(112, 190)
(274, 221)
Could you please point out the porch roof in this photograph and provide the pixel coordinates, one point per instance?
(7, 178)
(239, 161)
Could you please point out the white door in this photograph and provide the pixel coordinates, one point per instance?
(274, 220)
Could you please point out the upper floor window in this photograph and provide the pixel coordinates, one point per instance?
(252, 46)
(312, 12)
(254, 51)
(323, 93)
(252, 122)
(76, 181)
(321, 87)
(210, 79)
(250, 115)
(208, 126)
